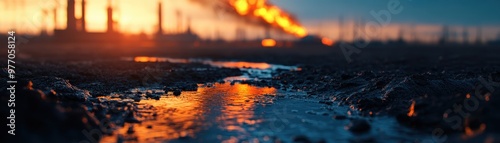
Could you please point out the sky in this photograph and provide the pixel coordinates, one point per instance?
(453, 12)
(318, 16)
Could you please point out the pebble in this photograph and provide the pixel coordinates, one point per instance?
(177, 92)
(301, 139)
(339, 117)
(130, 129)
(359, 126)
(137, 99)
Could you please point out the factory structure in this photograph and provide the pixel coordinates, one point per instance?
(75, 30)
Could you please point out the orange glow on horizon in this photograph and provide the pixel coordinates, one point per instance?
(144, 59)
(268, 42)
(327, 41)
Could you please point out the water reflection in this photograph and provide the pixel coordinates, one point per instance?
(251, 70)
(223, 109)
(225, 64)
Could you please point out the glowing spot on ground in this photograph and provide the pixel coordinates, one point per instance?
(411, 113)
(268, 42)
(327, 42)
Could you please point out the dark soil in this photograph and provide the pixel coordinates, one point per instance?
(455, 90)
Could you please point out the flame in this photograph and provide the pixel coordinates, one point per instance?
(411, 113)
(268, 42)
(270, 14)
(326, 41)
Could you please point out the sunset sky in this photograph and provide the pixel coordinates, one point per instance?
(318, 16)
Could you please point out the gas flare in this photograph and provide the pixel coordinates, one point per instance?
(269, 13)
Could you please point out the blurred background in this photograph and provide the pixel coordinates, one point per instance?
(427, 22)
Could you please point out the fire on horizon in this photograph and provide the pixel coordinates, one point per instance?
(33, 16)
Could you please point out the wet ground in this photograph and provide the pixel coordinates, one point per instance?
(241, 112)
(382, 97)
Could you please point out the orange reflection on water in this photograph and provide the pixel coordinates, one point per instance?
(144, 59)
(240, 104)
(230, 106)
(241, 65)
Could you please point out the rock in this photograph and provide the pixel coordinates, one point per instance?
(156, 97)
(131, 118)
(327, 102)
(301, 139)
(130, 129)
(359, 126)
(165, 90)
(51, 95)
(149, 94)
(137, 99)
(177, 92)
(339, 117)
(65, 90)
(119, 139)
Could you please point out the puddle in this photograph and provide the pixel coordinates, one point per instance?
(222, 108)
(241, 112)
(250, 70)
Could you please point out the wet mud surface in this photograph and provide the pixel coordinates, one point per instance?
(380, 97)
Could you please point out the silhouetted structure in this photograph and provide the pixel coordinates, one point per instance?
(445, 35)
(186, 37)
(110, 22)
(479, 34)
(465, 36)
(76, 28)
(84, 28)
(240, 34)
(160, 19)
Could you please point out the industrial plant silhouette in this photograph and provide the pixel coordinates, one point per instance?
(76, 32)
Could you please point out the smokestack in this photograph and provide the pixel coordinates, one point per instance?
(479, 34)
(55, 17)
(110, 18)
(83, 16)
(70, 16)
(188, 24)
(178, 13)
(160, 27)
(267, 32)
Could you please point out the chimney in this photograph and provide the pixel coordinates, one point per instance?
(160, 28)
(83, 16)
(70, 16)
(110, 18)
(479, 34)
(267, 32)
(188, 24)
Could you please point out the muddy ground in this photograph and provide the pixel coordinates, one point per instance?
(448, 93)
